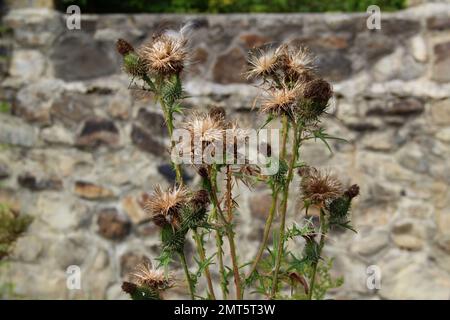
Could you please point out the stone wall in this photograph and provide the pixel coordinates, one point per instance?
(79, 148)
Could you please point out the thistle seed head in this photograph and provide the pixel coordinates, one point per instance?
(145, 275)
(165, 55)
(205, 127)
(281, 101)
(352, 191)
(217, 113)
(123, 47)
(263, 63)
(318, 91)
(318, 187)
(165, 206)
(200, 199)
(297, 63)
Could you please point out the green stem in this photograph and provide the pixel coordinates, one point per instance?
(202, 255)
(283, 210)
(219, 240)
(168, 115)
(273, 206)
(187, 274)
(230, 234)
(323, 231)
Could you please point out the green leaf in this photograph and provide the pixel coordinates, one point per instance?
(323, 136)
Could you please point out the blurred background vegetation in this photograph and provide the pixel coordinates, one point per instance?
(227, 6)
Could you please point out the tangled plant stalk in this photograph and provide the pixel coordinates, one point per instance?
(294, 96)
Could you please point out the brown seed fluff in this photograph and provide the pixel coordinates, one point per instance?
(352, 191)
(318, 187)
(317, 90)
(124, 47)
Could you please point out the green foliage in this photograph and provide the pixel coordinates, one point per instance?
(141, 292)
(339, 210)
(229, 6)
(325, 281)
(172, 90)
(173, 239)
(11, 227)
(5, 107)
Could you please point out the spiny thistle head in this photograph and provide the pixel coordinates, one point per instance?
(297, 63)
(123, 47)
(281, 101)
(203, 172)
(165, 206)
(217, 113)
(263, 63)
(205, 127)
(129, 287)
(146, 276)
(318, 187)
(200, 200)
(133, 65)
(352, 191)
(317, 90)
(165, 55)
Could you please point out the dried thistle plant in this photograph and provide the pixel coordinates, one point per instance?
(292, 93)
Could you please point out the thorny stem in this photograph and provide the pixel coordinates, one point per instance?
(188, 276)
(219, 241)
(323, 231)
(273, 206)
(284, 202)
(230, 233)
(168, 115)
(202, 255)
(230, 236)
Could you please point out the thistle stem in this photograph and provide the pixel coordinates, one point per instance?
(273, 206)
(187, 274)
(230, 234)
(267, 228)
(202, 255)
(168, 115)
(283, 210)
(323, 231)
(219, 241)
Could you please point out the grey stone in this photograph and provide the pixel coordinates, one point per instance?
(30, 181)
(144, 140)
(95, 60)
(230, 66)
(16, 132)
(27, 64)
(34, 101)
(441, 65)
(97, 131)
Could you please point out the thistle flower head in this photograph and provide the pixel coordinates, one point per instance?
(263, 63)
(317, 90)
(123, 47)
(217, 113)
(133, 65)
(297, 63)
(281, 101)
(352, 191)
(145, 275)
(165, 206)
(318, 187)
(200, 199)
(205, 127)
(167, 53)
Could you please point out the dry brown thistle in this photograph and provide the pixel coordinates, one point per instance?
(165, 206)
(317, 187)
